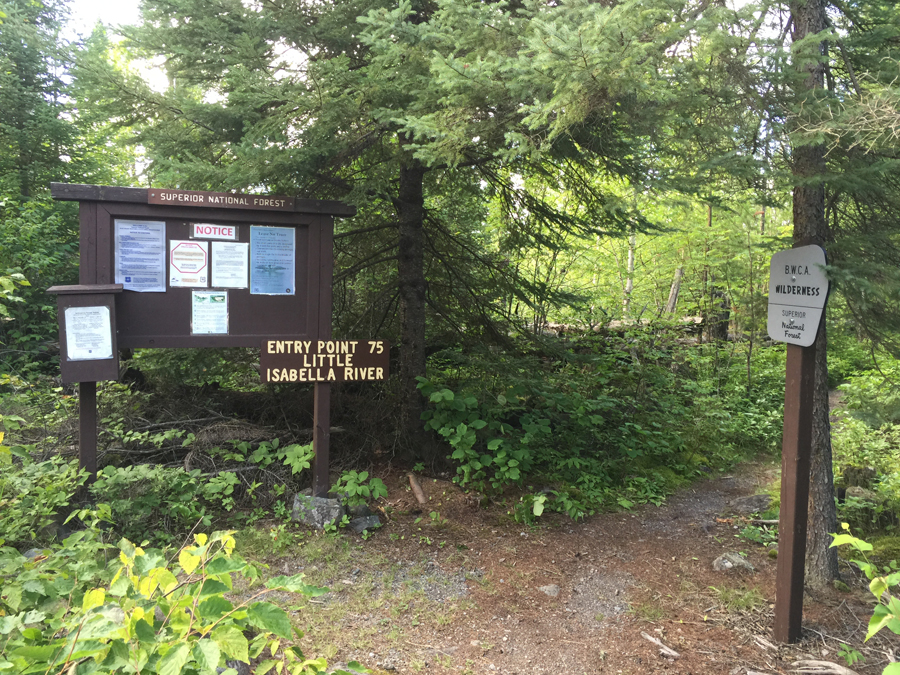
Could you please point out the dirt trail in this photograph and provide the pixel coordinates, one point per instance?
(471, 591)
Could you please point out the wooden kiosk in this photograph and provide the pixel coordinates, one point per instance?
(163, 268)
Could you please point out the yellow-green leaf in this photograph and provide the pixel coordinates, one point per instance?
(93, 598)
(188, 561)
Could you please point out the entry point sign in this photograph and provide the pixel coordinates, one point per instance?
(798, 289)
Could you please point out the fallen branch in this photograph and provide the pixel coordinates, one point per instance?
(823, 667)
(665, 651)
(765, 644)
(417, 489)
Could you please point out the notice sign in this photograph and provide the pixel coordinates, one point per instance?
(230, 264)
(140, 255)
(798, 289)
(324, 360)
(209, 313)
(188, 263)
(88, 333)
(210, 231)
(272, 260)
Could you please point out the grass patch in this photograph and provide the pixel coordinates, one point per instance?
(738, 599)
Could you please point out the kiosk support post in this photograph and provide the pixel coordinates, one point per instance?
(87, 427)
(321, 438)
(795, 460)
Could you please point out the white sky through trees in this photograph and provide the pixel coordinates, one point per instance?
(86, 13)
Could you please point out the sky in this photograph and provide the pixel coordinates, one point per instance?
(86, 13)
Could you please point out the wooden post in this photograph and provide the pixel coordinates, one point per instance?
(321, 438)
(322, 392)
(795, 458)
(87, 427)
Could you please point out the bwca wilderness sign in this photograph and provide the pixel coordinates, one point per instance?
(798, 290)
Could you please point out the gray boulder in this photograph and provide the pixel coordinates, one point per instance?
(751, 504)
(732, 561)
(360, 525)
(317, 511)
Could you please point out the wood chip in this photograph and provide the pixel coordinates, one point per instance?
(663, 649)
(823, 667)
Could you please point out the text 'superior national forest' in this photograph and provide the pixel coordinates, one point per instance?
(563, 217)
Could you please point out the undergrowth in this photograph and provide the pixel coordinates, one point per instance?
(612, 421)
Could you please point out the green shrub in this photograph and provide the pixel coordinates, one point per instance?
(62, 612)
(33, 494)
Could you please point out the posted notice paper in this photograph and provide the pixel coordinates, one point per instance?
(88, 333)
(140, 255)
(209, 313)
(230, 264)
(272, 256)
(188, 263)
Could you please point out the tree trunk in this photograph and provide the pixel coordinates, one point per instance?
(821, 561)
(410, 206)
(629, 274)
(808, 167)
(674, 291)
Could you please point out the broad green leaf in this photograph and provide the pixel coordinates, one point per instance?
(213, 587)
(188, 561)
(223, 565)
(266, 666)
(144, 631)
(295, 584)
(892, 669)
(93, 598)
(174, 660)
(206, 654)
(879, 620)
(9, 623)
(42, 653)
(232, 643)
(214, 608)
(270, 618)
(858, 544)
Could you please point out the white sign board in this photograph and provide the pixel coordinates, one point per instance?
(88, 333)
(798, 289)
(230, 264)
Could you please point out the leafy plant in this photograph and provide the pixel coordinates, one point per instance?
(33, 494)
(881, 582)
(147, 616)
(359, 488)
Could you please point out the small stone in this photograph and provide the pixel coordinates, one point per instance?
(316, 511)
(360, 525)
(359, 510)
(728, 561)
(751, 504)
(552, 590)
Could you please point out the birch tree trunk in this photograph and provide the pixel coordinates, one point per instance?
(629, 274)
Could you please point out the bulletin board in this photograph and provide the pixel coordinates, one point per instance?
(208, 269)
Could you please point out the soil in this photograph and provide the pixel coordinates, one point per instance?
(470, 590)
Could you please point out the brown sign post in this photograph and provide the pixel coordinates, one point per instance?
(199, 269)
(798, 291)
